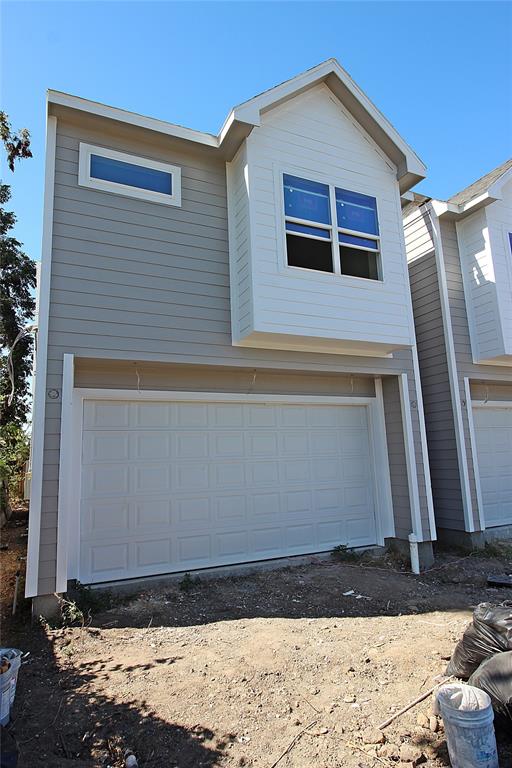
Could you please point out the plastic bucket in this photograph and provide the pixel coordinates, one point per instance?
(468, 722)
(8, 680)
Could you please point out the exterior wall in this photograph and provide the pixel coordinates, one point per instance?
(145, 283)
(499, 222)
(435, 384)
(480, 287)
(446, 473)
(312, 136)
(396, 455)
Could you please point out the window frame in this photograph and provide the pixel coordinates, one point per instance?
(332, 228)
(86, 180)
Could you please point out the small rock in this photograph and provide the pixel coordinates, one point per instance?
(349, 699)
(423, 720)
(315, 691)
(388, 750)
(411, 754)
(373, 736)
(433, 723)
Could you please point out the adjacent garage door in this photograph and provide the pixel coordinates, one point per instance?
(493, 430)
(176, 486)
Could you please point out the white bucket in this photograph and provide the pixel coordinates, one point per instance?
(468, 722)
(8, 682)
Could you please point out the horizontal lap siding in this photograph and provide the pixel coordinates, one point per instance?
(313, 137)
(137, 281)
(435, 384)
(466, 368)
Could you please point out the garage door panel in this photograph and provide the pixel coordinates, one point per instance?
(493, 432)
(177, 486)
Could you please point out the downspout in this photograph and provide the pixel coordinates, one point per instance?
(452, 366)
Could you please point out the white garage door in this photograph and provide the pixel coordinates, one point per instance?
(493, 430)
(175, 486)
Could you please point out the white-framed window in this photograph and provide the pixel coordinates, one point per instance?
(330, 229)
(124, 174)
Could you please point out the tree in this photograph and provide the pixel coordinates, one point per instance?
(17, 305)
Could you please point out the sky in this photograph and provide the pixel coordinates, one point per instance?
(441, 72)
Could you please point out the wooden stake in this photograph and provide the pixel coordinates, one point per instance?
(413, 703)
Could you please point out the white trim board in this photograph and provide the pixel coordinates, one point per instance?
(72, 420)
(38, 419)
(452, 372)
(86, 180)
(472, 439)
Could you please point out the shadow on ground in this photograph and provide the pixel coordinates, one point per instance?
(59, 722)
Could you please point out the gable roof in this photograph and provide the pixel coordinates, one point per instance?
(480, 186)
(244, 117)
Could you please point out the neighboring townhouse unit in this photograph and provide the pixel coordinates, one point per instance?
(226, 363)
(460, 268)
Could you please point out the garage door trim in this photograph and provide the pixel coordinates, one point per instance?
(70, 465)
(473, 405)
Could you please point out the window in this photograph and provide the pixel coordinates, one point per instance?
(356, 215)
(308, 224)
(124, 174)
(351, 247)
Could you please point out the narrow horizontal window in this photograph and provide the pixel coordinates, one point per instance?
(133, 175)
(360, 242)
(309, 254)
(304, 229)
(356, 212)
(358, 263)
(306, 200)
(123, 174)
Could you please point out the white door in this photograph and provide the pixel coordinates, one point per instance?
(176, 486)
(493, 430)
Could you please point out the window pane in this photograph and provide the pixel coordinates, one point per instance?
(133, 175)
(357, 212)
(292, 227)
(306, 199)
(363, 242)
(359, 263)
(310, 254)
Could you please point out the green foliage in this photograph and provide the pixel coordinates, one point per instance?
(17, 145)
(17, 305)
(188, 582)
(344, 554)
(14, 452)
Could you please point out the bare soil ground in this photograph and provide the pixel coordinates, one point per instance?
(275, 669)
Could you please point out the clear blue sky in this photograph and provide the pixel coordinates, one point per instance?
(440, 71)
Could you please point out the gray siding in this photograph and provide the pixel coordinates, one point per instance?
(396, 454)
(442, 447)
(466, 368)
(445, 472)
(137, 281)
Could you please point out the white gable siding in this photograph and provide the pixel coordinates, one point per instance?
(479, 286)
(312, 136)
(499, 222)
(486, 262)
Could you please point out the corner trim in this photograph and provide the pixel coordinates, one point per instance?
(474, 454)
(410, 458)
(452, 372)
(65, 472)
(36, 492)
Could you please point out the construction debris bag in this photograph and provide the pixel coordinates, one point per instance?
(494, 676)
(490, 632)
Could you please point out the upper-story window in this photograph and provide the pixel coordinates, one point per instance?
(349, 247)
(124, 174)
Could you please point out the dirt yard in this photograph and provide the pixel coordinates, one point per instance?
(287, 668)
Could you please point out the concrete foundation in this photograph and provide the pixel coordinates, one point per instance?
(46, 606)
(425, 551)
(475, 539)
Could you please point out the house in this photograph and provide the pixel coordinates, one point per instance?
(226, 359)
(460, 267)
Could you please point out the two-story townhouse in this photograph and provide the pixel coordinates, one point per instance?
(226, 359)
(460, 266)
